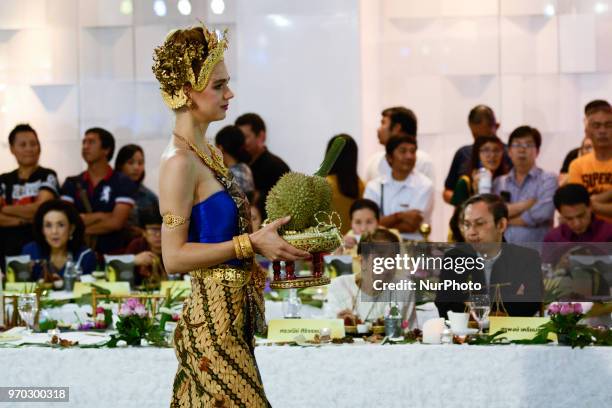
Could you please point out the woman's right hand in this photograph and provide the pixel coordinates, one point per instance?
(268, 243)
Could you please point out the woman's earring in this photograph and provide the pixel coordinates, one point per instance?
(189, 102)
(71, 236)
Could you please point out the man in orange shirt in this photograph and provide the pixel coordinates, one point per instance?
(594, 170)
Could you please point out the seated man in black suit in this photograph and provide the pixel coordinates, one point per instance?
(515, 270)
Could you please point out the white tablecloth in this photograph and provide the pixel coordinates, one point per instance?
(336, 376)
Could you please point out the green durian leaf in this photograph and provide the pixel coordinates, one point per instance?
(331, 156)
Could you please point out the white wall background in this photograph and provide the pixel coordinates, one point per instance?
(311, 69)
(67, 65)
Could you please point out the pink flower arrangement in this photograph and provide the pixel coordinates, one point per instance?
(564, 322)
(132, 307)
(565, 308)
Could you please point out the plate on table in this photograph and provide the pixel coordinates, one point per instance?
(98, 274)
(465, 332)
(16, 333)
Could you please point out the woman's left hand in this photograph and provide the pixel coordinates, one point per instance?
(268, 243)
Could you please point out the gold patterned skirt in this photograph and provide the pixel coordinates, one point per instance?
(214, 342)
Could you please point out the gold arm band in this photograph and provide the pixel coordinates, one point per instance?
(172, 221)
(237, 248)
(245, 246)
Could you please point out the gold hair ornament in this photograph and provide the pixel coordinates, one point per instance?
(173, 65)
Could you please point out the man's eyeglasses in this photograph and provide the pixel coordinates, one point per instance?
(525, 146)
(477, 225)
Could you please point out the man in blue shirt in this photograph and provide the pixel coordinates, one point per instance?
(527, 189)
(103, 197)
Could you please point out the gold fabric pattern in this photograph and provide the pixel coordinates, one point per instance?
(224, 275)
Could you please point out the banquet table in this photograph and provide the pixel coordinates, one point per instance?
(348, 375)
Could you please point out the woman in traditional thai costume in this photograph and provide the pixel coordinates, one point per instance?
(206, 232)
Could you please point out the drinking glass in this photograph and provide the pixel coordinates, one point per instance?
(480, 307)
(27, 307)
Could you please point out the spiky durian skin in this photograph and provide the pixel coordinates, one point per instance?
(294, 194)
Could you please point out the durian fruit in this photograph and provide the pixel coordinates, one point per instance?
(293, 194)
(303, 196)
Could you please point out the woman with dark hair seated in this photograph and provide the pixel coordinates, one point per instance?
(58, 237)
(488, 154)
(131, 162)
(349, 297)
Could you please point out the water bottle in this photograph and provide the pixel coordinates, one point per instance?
(292, 305)
(393, 321)
(485, 181)
(70, 274)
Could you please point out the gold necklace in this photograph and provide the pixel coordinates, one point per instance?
(213, 162)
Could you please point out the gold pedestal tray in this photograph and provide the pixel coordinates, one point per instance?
(313, 240)
(299, 283)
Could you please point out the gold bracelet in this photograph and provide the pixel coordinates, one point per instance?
(172, 220)
(245, 245)
(237, 248)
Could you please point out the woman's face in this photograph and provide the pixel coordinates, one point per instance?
(212, 103)
(26, 149)
(57, 229)
(134, 167)
(153, 237)
(490, 155)
(363, 220)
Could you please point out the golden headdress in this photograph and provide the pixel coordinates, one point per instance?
(177, 59)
